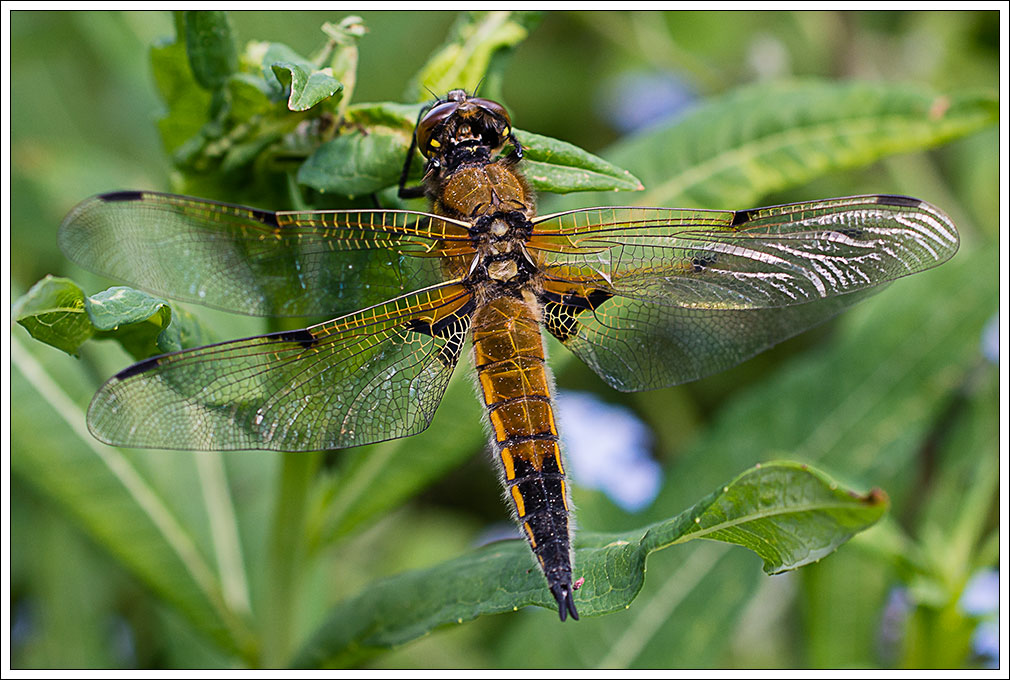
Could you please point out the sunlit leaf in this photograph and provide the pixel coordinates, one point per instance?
(476, 46)
(357, 162)
(105, 494)
(210, 45)
(788, 513)
(57, 312)
(731, 150)
(53, 311)
(553, 165)
(304, 82)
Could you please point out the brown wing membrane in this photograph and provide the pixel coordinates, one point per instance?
(374, 375)
(650, 297)
(253, 261)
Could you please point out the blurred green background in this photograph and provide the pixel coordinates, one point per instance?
(915, 409)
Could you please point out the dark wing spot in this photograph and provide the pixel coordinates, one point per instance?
(449, 354)
(742, 216)
(118, 196)
(302, 336)
(851, 232)
(597, 298)
(266, 217)
(418, 326)
(138, 368)
(903, 201)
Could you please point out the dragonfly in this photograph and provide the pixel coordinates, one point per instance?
(647, 297)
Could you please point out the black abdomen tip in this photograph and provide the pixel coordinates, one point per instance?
(564, 594)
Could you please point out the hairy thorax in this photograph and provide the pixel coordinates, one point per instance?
(499, 204)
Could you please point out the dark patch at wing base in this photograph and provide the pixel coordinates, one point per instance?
(561, 312)
(452, 329)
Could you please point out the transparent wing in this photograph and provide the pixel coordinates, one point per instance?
(374, 375)
(650, 297)
(253, 261)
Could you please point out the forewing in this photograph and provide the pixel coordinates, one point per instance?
(253, 261)
(650, 297)
(370, 376)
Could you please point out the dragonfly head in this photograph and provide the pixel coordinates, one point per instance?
(462, 129)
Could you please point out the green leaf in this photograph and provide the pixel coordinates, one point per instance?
(104, 492)
(249, 95)
(355, 163)
(477, 44)
(366, 158)
(53, 311)
(786, 512)
(732, 150)
(186, 102)
(552, 165)
(305, 83)
(133, 318)
(343, 55)
(56, 312)
(210, 46)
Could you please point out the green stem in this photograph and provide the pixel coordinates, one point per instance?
(285, 555)
(224, 530)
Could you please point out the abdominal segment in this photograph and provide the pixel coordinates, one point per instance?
(509, 358)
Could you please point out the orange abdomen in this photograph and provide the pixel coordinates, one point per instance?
(509, 358)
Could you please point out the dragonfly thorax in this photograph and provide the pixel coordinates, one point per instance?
(502, 267)
(499, 240)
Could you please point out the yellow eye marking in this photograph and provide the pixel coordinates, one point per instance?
(505, 132)
(435, 143)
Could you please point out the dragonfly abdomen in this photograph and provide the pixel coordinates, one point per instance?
(511, 368)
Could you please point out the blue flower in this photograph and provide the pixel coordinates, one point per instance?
(608, 449)
(980, 598)
(990, 340)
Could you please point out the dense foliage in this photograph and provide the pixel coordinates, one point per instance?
(124, 558)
